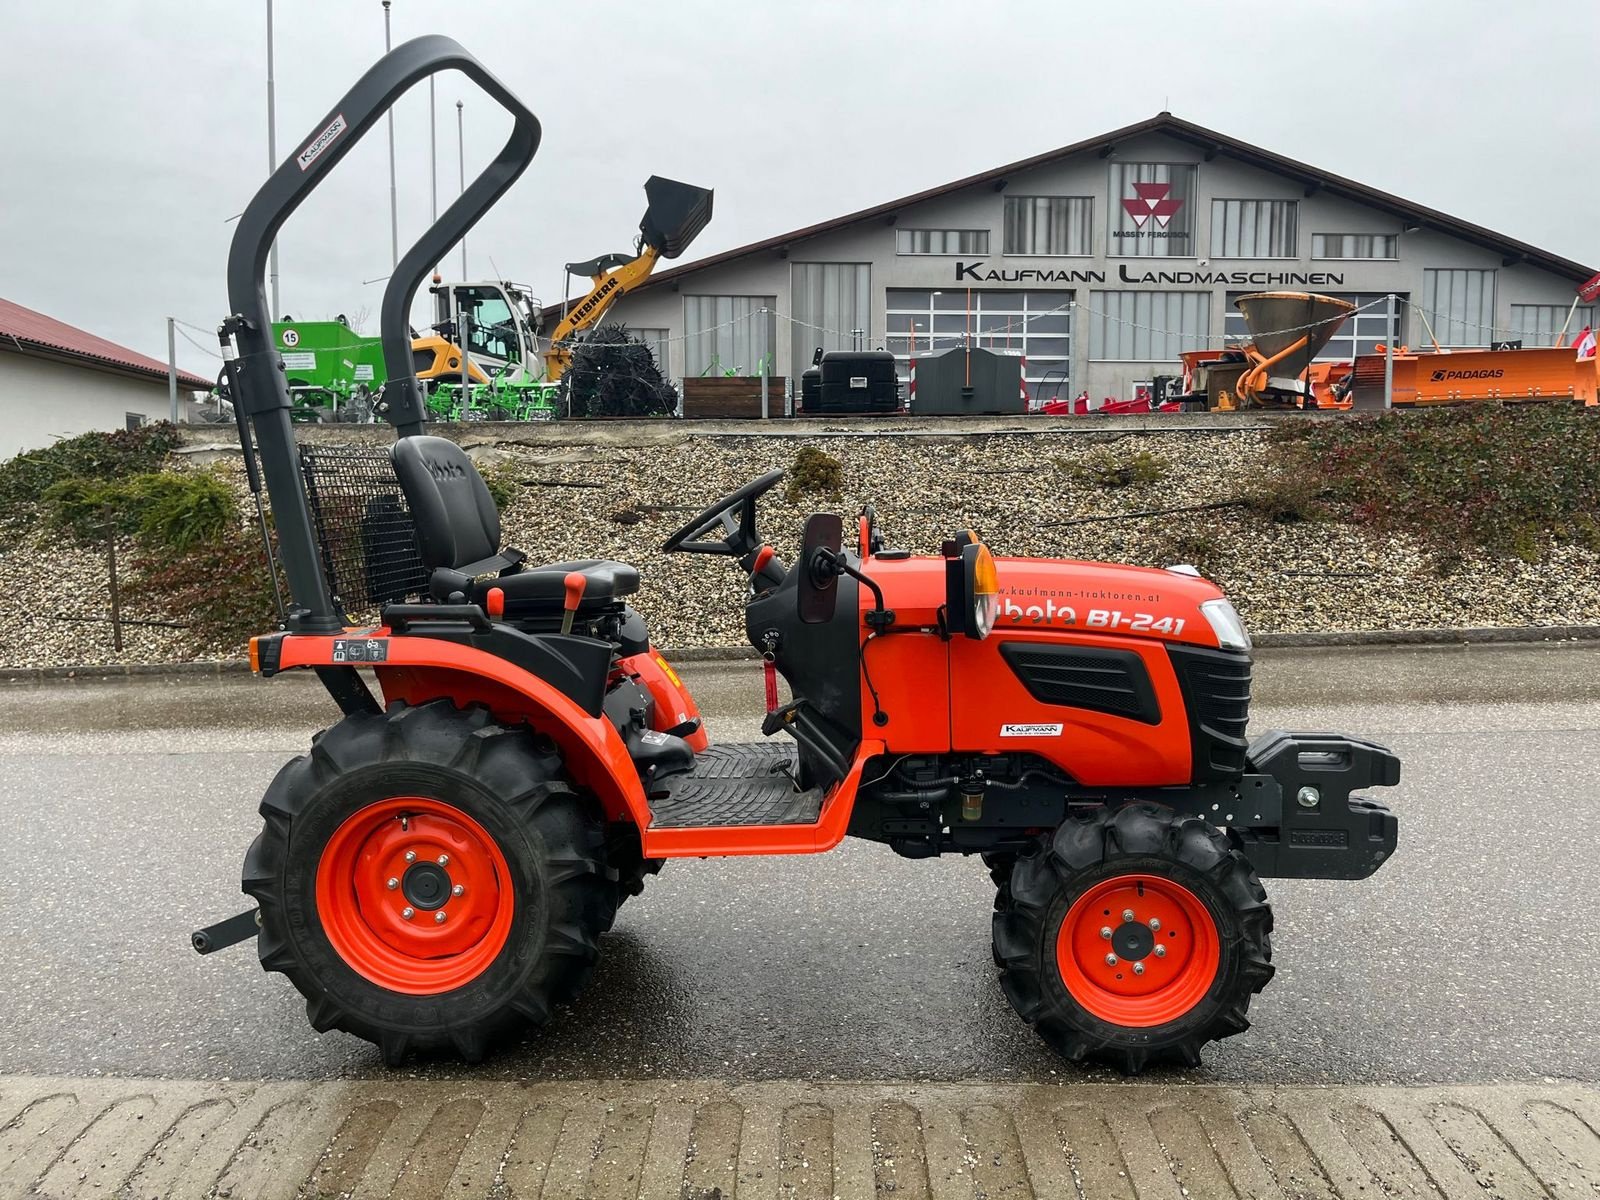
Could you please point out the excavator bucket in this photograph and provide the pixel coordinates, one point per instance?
(1277, 320)
(675, 214)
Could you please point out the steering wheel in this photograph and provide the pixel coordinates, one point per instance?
(739, 536)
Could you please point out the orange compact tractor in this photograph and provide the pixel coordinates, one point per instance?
(442, 864)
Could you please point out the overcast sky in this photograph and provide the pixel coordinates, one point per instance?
(132, 130)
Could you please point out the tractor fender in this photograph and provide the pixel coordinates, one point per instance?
(414, 670)
(674, 704)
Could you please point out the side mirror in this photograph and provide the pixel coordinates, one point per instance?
(818, 584)
(972, 588)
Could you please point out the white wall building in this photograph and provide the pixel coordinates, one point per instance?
(1100, 262)
(57, 381)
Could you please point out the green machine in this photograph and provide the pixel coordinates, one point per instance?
(333, 372)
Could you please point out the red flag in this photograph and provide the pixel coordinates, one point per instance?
(1585, 344)
(1589, 292)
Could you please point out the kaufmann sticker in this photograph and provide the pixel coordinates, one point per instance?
(1030, 731)
(321, 142)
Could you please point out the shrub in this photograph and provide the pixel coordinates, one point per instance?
(1289, 497)
(614, 374)
(217, 587)
(815, 472)
(102, 457)
(1105, 468)
(502, 488)
(167, 510)
(1508, 478)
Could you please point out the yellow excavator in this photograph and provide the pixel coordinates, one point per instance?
(501, 320)
(675, 213)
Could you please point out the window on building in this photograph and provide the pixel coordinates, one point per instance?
(728, 333)
(1034, 324)
(1540, 324)
(1459, 305)
(660, 343)
(1046, 225)
(1152, 210)
(1254, 229)
(941, 241)
(1355, 245)
(1362, 332)
(832, 307)
(1147, 326)
(132, 421)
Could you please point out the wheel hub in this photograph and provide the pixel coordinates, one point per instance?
(426, 885)
(447, 918)
(1164, 950)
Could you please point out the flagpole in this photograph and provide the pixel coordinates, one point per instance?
(1562, 336)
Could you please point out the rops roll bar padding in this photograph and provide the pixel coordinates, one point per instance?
(259, 385)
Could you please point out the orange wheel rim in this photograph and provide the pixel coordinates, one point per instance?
(415, 895)
(1138, 950)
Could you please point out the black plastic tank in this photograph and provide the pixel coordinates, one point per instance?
(859, 381)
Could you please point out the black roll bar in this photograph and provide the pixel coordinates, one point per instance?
(259, 385)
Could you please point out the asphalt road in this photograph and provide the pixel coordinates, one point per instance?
(1472, 956)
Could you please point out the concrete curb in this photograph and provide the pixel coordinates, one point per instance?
(1356, 638)
(68, 1138)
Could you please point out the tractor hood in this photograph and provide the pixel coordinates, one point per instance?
(1053, 593)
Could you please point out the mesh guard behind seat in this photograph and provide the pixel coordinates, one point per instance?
(364, 528)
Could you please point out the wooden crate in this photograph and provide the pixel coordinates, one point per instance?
(732, 397)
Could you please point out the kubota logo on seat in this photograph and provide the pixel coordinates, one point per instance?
(446, 470)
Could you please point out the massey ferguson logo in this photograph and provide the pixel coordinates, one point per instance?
(1441, 376)
(1151, 200)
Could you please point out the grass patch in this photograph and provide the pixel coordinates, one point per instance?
(1506, 478)
(1198, 547)
(1106, 468)
(814, 473)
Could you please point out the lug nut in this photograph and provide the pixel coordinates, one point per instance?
(459, 890)
(1127, 914)
(444, 860)
(438, 917)
(1138, 968)
(1161, 951)
(411, 856)
(408, 912)
(393, 883)
(1111, 960)
(1155, 924)
(1105, 932)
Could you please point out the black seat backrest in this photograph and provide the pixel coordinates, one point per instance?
(457, 522)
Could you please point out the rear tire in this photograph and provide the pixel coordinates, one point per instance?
(387, 816)
(1213, 937)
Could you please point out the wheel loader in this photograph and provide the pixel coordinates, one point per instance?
(440, 868)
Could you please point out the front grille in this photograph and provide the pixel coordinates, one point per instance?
(1107, 681)
(364, 528)
(1216, 691)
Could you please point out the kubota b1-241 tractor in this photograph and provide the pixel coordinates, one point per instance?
(440, 867)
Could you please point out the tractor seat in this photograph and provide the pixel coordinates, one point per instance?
(458, 538)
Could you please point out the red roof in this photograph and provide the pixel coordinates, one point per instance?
(33, 332)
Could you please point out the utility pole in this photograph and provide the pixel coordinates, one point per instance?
(272, 157)
(394, 203)
(1388, 357)
(172, 370)
(461, 160)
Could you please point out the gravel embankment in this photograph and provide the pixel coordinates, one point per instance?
(620, 500)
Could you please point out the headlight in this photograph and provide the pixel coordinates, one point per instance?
(1225, 623)
(982, 588)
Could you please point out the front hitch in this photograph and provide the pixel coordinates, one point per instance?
(1324, 831)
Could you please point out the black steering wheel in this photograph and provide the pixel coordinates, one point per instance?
(739, 536)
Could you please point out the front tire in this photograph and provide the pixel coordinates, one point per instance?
(1179, 972)
(428, 880)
